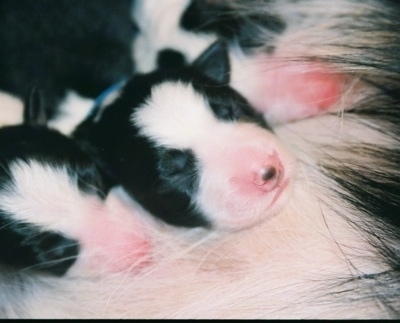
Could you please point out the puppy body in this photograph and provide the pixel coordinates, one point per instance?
(189, 148)
(54, 218)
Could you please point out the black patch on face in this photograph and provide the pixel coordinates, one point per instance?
(25, 246)
(164, 181)
(169, 58)
(178, 170)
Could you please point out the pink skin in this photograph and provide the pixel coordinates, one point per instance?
(255, 173)
(112, 239)
(287, 91)
(245, 176)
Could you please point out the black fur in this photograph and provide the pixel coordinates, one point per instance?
(218, 17)
(26, 246)
(130, 159)
(169, 58)
(83, 46)
(178, 170)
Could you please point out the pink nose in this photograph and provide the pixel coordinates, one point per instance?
(269, 175)
(256, 172)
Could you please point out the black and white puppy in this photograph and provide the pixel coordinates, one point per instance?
(332, 251)
(52, 203)
(189, 148)
(260, 44)
(74, 50)
(190, 27)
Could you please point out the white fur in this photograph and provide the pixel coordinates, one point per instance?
(176, 116)
(72, 111)
(11, 110)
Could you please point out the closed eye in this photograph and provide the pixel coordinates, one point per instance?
(178, 170)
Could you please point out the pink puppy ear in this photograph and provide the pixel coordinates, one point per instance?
(287, 91)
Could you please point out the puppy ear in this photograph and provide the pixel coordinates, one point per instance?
(34, 112)
(214, 63)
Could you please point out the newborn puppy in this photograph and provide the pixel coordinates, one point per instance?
(189, 148)
(52, 204)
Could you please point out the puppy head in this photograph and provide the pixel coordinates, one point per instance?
(198, 154)
(46, 186)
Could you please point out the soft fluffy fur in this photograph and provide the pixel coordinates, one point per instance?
(333, 252)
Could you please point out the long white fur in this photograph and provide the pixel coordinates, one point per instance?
(282, 268)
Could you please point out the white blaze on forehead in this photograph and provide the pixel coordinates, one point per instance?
(175, 115)
(43, 195)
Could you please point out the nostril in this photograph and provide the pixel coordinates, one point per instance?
(256, 171)
(265, 175)
(268, 173)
